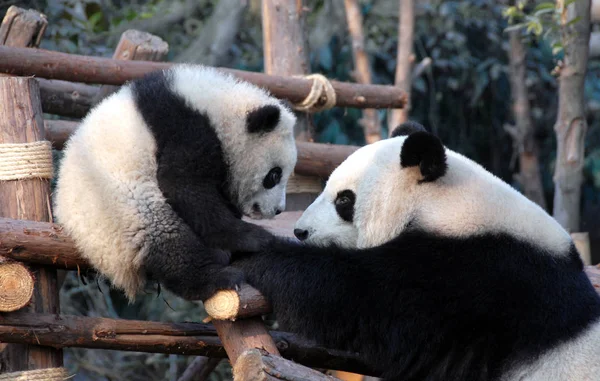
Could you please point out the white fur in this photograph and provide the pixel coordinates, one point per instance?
(226, 101)
(467, 201)
(574, 360)
(107, 194)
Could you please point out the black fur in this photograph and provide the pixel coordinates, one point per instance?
(192, 175)
(424, 307)
(427, 151)
(263, 119)
(407, 128)
(344, 205)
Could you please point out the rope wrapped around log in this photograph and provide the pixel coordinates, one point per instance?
(48, 374)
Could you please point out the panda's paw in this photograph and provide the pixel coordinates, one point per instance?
(228, 278)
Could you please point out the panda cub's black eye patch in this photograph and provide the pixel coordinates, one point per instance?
(272, 178)
(344, 204)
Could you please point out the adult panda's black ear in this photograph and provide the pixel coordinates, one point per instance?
(263, 119)
(427, 151)
(407, 128)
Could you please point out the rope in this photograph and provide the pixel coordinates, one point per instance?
(321, 96)
(26, 161)
(48, 374)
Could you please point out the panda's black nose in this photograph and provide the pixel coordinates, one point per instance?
(301, 234)
(277, 211)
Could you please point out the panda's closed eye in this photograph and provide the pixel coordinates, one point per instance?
(272, 178)
(344, 204)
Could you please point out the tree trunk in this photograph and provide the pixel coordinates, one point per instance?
(522, 133)
(571, 125)
(218, 34)
(406, 26)
(362, 69)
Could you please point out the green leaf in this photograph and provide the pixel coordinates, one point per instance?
(571, 22)
(95, 18)
(543, 6)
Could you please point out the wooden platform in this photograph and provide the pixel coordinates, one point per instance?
(282, 224)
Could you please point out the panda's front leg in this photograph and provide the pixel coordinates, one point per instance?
(206, 211)
(184, 265)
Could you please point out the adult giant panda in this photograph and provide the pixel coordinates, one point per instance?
(156, 178)
(431, 268)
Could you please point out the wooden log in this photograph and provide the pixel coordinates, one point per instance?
(16, 285)
(78, 68)
(20, 122)
(46, 244)
(59, 131)
(285, 49)
(258, 365)
(314, 159)
(135, 46)
(22, 28)
(232, 305)
(62, 331)
(66, 98)
(321, 159)
(244, 334)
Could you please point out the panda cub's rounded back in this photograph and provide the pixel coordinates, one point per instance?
(169, 164)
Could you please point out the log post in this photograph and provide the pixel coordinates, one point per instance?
(286, 53)
(135, 46)
(21, 122)
(22, 28)
(362, 69)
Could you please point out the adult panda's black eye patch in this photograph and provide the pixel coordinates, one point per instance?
(272, 178)
(263, 119)
(344, 205)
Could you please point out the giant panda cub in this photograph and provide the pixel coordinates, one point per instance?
(431, 268)
(158, 175)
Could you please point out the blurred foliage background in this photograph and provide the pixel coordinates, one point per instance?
(464, 97)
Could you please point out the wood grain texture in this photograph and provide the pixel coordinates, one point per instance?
(97, 70)
(61, 331)
(135, 45)
(22, 28)
(258, 365)
(232, 305)
(20, 122)
(66, 98)
(244, 334)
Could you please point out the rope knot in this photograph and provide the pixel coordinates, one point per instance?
(321, 97)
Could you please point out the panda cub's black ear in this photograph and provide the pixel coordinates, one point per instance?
(263, 119)
(427, 151)
(407, 128)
